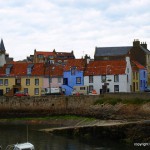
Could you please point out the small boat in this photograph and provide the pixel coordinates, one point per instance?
(21, 146)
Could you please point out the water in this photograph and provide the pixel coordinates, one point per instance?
(11, 134)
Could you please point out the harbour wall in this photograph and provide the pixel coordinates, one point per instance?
(74, 105)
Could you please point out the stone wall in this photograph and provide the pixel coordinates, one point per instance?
(73, 105)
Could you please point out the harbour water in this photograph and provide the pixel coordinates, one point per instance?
(11, 134)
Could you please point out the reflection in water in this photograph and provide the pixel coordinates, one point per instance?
(12, 134)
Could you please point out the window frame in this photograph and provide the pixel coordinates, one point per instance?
(36, 92)
(116, 78)
(90, 79)
(6, 83)
(78, 80)
(37, 82)
(28, 83)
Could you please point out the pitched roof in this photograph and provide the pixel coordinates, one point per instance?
(20, 69)
(46, 54)
(54, 70)
(145, 50)
(2, 47)
(111, 51)
(67, 54)
(78, 63)
(135, 65)
(102, 67)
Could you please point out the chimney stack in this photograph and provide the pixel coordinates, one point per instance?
(144, 45)
(136, 43)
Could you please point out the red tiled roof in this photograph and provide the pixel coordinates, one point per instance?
(79, 63)
(46, 54)
(64, 54)
(20, 69)
(102, 67)
(138, 65)
(54, 70)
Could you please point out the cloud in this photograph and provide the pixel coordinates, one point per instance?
(68, 25)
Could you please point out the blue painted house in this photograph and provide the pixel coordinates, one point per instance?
(73, 75)
(143, 77)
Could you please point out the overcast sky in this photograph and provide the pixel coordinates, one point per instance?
(66, 25)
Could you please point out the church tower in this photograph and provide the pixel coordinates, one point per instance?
(2, 53)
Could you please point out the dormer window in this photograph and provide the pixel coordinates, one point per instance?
(29, 69)
(8, 69)
(40, 56)
(73, 70)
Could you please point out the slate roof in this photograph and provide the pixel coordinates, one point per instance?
(145, 50)
(102, 67)
(112, 51)
(78, 63)
(2, 47)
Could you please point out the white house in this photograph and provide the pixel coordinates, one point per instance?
(113, 75)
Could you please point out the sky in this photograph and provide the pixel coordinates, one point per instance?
(66, 25)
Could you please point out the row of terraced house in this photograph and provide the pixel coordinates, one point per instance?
(113, 69)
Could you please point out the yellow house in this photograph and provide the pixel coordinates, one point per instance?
(135, 78)
(25, 77)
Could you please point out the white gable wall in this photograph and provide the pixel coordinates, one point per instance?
(97, 83)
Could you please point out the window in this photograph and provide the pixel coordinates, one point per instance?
(78, 80)
(59, 80)
(7, 71)
(27, 81)
(136, 75)
(73, 71)
(137, 85)
(50, 57)
(50, 80)
(82, 88)
(116, 88)
(29, 69)
(36, 81)
(144, 74)
(65, 81)
(36, 91)
(18, 81)
(141, 82)
(6, 82)
(25, 90)
(51, 61)
(90, 88)
(1, 81)
(103, 78)
(127, 70)
(7, 90)
(116, 78)
(40, 56)
(127, 78)
(90, 79)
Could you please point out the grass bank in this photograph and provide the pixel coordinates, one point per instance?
(114, 101)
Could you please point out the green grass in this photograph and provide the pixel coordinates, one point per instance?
(113, 101)
(64, 117)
